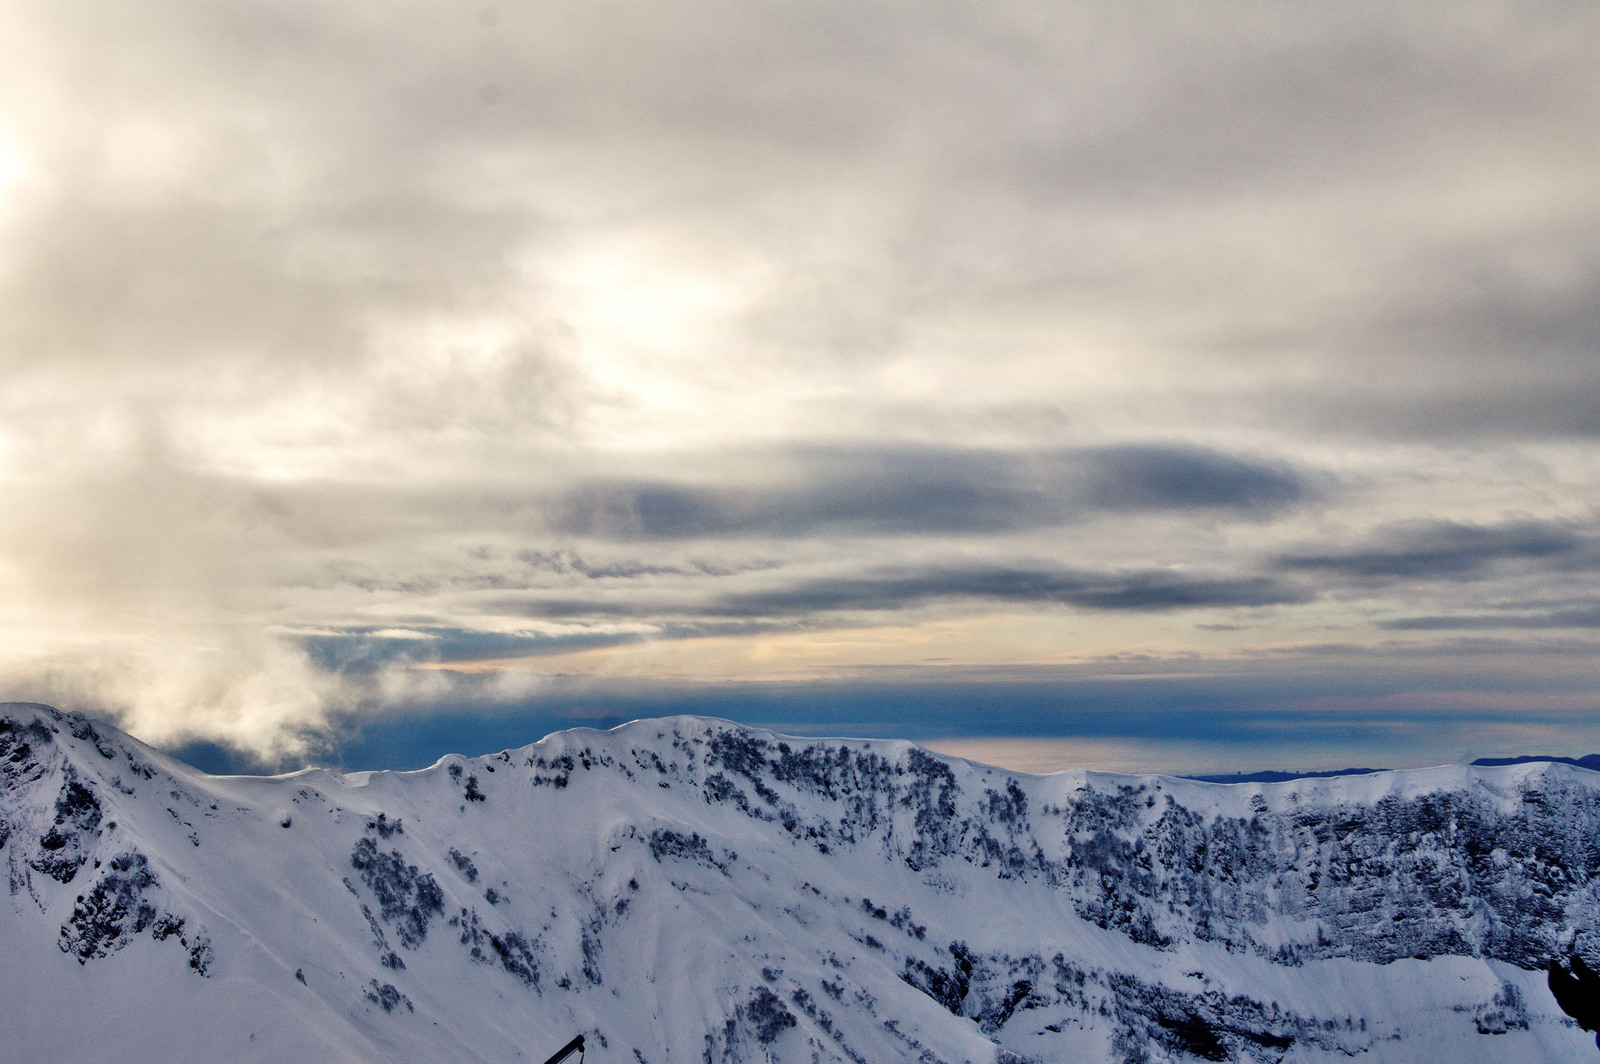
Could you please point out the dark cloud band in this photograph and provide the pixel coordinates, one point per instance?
(933, 492)
(1146, 590)
(1582, 617)
(1440, 549)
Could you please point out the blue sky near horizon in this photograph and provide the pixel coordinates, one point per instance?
(1148, 387)
(1184, 725)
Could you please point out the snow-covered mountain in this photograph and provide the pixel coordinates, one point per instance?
(689, 890)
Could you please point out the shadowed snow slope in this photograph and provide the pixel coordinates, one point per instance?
(691, 890)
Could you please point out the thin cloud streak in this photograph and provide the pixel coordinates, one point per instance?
(1136, 591)
(1585, 617)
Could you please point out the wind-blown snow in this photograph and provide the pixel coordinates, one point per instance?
(692, 890)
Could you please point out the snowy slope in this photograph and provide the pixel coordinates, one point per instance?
(691, 890)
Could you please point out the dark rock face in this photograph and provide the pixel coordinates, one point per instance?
(64, 847)
(124, 898)
(947, 986)
(767, 1016)
(1440, 874)
(19, 751)
(516, 953)
(84, 730)
(117, 906)
(406, 898)
(690, 847)
(124, 902)
(386, 828)
(1507, 1011)
(464, 865)
(1207, 1024)
(387, 996)
(755, 1023)
(517, 956)
(470, 791)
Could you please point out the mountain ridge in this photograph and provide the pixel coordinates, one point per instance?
(1588, 761)
(691, 889)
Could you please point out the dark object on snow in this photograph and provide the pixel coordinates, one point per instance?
(1577, 991)
(574, 1046)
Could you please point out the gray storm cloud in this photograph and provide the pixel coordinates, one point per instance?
(337, 340)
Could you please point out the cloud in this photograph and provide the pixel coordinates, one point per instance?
(1434, 550)
(1147, 590)
(359, 651)
(339, 340)
(935, 491)
(362, 650)
(1576, 617)
(695, 611)
(1191, 478)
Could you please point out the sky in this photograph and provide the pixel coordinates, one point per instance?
(1154, 387)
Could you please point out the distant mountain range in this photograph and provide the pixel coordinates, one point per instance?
(1271, 776)
(690, 890)
(1588, 761)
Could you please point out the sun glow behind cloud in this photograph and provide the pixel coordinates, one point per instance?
(649, 328)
